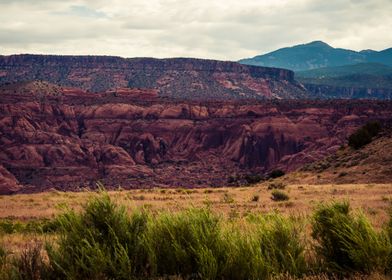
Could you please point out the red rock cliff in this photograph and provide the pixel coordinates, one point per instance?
(72, 139)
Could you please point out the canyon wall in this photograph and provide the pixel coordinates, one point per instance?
(69, 139)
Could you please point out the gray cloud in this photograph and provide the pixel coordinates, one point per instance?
(221, 29)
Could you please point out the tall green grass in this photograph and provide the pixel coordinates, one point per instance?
(103, 241)
(348, 242)
(186, 243)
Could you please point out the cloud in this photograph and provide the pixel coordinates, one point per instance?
(220, 29)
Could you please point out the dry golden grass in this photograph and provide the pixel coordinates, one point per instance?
(373, 199)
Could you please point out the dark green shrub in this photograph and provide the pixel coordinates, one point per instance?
(102, 242)
(277, 186)
(364, 135)
(253, 178)
(349, 243)
(279, 195)
(276, 173)
(8, 226)
(342, 174)
(3, 255)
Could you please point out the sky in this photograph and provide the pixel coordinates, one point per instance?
(221, 29)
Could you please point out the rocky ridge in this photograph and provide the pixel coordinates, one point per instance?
(185, 78)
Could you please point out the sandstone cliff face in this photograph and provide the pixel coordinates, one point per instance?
(184, 78)
(71, 140)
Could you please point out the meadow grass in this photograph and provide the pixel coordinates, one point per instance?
(105, 241)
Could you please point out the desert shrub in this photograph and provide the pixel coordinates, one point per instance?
(276, 185)
(278, 195)
(276, 173)
(342, 174)
(101, 242)
(347, 242)
(3, 255)
(7, 271)
(8, 226)
(253, 178)
(227, 198)
(186, 244)
(30, 265)
(364, 135)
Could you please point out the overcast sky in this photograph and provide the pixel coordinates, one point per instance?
(222, 29)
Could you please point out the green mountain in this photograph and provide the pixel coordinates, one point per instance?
(362, 75)
(317, 54)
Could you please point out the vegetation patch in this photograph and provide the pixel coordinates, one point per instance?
(364, 135)
(276, 186)
(278, 195)
(104, 241)
(348, 242)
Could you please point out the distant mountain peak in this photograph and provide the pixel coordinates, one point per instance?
(367, 51)
(317, 54)
(318, 43)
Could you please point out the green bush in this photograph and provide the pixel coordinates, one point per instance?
(347, 242)
(101, 242)
(8, 226)
(277, 186)
(253, 178)
(276, 173)
(364, 135)
(279, 195)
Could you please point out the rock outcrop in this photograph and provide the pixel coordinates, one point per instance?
(72, 139)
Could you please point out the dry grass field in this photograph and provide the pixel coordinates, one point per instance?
(373, 199)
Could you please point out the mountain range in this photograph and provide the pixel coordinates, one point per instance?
(317, 54)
